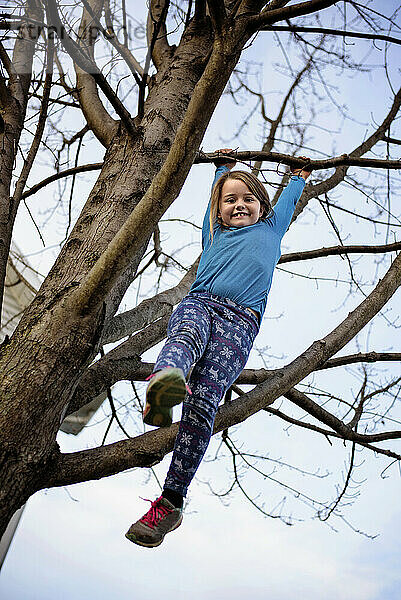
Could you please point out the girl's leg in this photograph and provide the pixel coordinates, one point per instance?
(231, 337)
(187, 335)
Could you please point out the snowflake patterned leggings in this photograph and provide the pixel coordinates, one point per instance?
(215, 335)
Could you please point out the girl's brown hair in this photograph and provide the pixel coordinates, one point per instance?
(253, 184)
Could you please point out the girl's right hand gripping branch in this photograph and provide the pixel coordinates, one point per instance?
(303, 172)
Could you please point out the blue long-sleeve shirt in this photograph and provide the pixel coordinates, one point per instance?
(239, 263)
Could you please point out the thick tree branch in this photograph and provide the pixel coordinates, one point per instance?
(15, 90)
(148, 310)
(19, 71)
(111, 37)
(149, 448)
(159, 50)
(217, 13)
(120, 363)
(85, 63)
(98, 118)
(267, 16)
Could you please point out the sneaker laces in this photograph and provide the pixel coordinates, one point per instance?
(156, 512)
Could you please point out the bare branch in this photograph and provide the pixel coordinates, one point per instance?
(391, 140)
(345, 160)
(26, 169)
(339, 251)
(72, 171)
(159, 49)
(327, 433)
(256, 376)
(98, 118)
(85, 63)
(324, 416)
(57, 101)
(110, 35)
(361, 357)
(335, 32)
(269, 143)
(341, 171)
(267, 16)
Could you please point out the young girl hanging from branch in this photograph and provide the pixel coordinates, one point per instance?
(214, 327)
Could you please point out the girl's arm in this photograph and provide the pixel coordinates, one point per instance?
(285, 206)
(223, 165)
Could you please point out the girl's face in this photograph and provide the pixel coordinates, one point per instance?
(238, 207)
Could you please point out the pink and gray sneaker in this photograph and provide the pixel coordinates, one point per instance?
(166, 388)
(161, 518)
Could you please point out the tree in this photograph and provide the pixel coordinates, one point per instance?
(50, 366)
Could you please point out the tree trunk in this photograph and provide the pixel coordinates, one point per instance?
(53, 344)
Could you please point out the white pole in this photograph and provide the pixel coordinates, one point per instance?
(9, 534)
